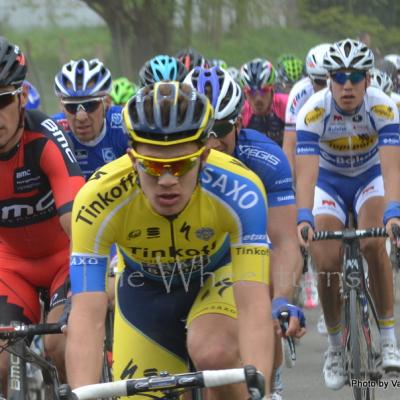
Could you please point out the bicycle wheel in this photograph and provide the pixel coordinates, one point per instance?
(289, 352)
(359, 351)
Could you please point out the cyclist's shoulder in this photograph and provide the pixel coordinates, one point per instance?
(250, 138)
(396, 98)
(382, 108)
(62, 120)
(300, 92)
(224, 174)
(316, 108)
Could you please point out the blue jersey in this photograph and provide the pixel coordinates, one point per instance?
(265, 157)
(109, 145)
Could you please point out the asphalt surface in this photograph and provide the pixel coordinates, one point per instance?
(305, 380)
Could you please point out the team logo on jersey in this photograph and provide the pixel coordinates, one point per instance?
(134, 234)
(359, 142)
(314, 115)
(357, 118)
(204, 233)
(108, 154)
(383, 111)
(116, 120)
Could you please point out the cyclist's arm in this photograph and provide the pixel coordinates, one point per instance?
(390, 165)
(255, 326)
(285, 256)
(289, 146)
(306, 178)
(65, 221)
(84, 351)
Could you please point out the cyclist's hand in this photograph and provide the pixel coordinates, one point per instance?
(391, 230)
(304, 227)
(297, 320)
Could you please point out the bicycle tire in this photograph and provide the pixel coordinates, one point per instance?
(359, 363)
(289, 361)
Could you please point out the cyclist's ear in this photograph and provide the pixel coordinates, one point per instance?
(239, 123)
(107, 101)
(367, 80)
(204, 156)
(24, 95)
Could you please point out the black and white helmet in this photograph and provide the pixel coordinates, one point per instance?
(83, 78)
(381, 80)
(348, 53)
(315, 61)
(257, 73)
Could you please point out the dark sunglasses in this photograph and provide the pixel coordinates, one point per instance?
(8, 98)
(88, 106)
(320, 82)
(221, 129)
(354, 77)
(262, 90)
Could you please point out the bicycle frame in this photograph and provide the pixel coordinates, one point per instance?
(20, 354)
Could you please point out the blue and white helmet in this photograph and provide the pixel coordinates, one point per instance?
(33, 96)
(83, 78)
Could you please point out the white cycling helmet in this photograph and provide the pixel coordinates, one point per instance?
(395, 59)
(381, 80)
(224, 93)
(234, 73)
(315, 60)
(83, 78)
(348, 53)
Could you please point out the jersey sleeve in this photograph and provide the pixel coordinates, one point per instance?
(384, 117)
(280, 101)
(310, 126)
(59, 164)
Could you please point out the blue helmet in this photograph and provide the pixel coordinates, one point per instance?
(162, 68)
(224, 93)
(83, 78)
(33, 96)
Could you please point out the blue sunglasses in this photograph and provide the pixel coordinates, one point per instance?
(354, 77)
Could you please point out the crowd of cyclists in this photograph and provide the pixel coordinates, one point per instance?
(194, 184)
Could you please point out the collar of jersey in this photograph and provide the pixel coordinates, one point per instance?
(97, 140)
(344, 113)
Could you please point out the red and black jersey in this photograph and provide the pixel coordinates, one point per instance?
(39, 180)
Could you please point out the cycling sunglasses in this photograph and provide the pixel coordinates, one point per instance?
(178, 166)
(8, 98)
(221, 129)
(262, 90)
(354, 77)
(89, 105)
(320, 82)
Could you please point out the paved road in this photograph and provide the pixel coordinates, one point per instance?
(305, 380)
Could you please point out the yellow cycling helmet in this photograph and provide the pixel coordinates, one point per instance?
(168, 113)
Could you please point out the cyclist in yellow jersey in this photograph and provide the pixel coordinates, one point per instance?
(191, 227)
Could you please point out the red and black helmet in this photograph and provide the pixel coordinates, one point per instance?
(12, 64)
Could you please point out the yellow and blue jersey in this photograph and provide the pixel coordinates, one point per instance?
(225, 219)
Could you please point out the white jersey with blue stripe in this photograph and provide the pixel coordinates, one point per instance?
(347, 144)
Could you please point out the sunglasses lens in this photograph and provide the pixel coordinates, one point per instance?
(89, 106)
(320, 82)
(6, 100)
(354, 77)
(222, 129)
(176, 168)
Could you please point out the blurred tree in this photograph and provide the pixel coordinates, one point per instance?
(139, 30)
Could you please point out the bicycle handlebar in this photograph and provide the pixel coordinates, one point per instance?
(348, 233)
(19, 330)
(205, 379)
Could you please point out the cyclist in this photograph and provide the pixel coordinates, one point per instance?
(289, 71)
(264, 110)
(316, 80)
(33, 96)
(39, 180)
(347, 147)
(94, 126)
(191, 58)
(178, 218)
(267, 160)
(162, 68)
(395, 60)
(388, 68)
(122, 90)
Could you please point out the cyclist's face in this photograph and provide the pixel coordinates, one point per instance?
(10, 109)
(226, 143)
(168, 194)
(260, 100)
(349, 96)
(86, 125)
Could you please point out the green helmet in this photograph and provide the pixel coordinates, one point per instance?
(122, 90)
(290, 69)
